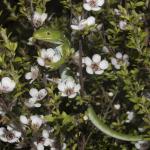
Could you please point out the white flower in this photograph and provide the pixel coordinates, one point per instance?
(105, 50)
(140, 129)
(94, 5)
(82, 24)
(95, 65)
(44, 140)
(53, 148)
(117, 106)
(36, 121)
(64, 146)
(24, 120)
(39, 95)
(85, 117)
(9, 135)
(122, 25)
(68, 87)
(120, 60)
(36, 96)
(110, 94)
(7, 85)
(130, 116)
(117, 12)
(75, 57)
(39, 19)
(33, 74)
(142, 145)
(48, 56)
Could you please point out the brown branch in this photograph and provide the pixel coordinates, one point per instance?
(80, 65)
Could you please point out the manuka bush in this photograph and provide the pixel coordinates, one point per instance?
(63, 60)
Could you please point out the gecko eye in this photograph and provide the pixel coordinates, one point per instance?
(48, 33)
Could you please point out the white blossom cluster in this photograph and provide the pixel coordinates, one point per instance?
(43, 140)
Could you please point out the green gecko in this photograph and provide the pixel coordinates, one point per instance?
(108, 131)
(49, 34)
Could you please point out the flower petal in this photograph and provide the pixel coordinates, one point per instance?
(47, 142)
(37, 105)
(56, 58)
(86, 6)
(43, 17)
(41, 61)
(119, 55)
(104, 64)
(90, 21)
(125, 57)
(96, 9)
(28, 76)
(96, 58)
(17, 134)
(45, 133)
(117, 66)
(87, 61)
(61, 86)
(77, 88)
(24, 120)
(70, 83)
(43, 53)
(40, 146)
(114, 61)
(99, 72)
(89, 70)
(2, 131)
(42, 93)
(50, 53)
(72, 95)
(75, 27)
(33, 92)
(100, 2)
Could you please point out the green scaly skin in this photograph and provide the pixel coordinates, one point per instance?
(108, 131)
(48, 34)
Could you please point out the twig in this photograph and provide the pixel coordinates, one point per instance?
(86, 142)
(31, 7)
(80, 66)
(32, 13)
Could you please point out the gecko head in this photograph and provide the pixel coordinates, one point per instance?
(48, 34)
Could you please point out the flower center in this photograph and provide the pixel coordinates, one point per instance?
(40, 140)
(93, 3)
(34, 74)
(48, 61)
(5, 88)
(40, 96)
(37, 23)
(9, 135)
(95, 67)
(69, 91)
